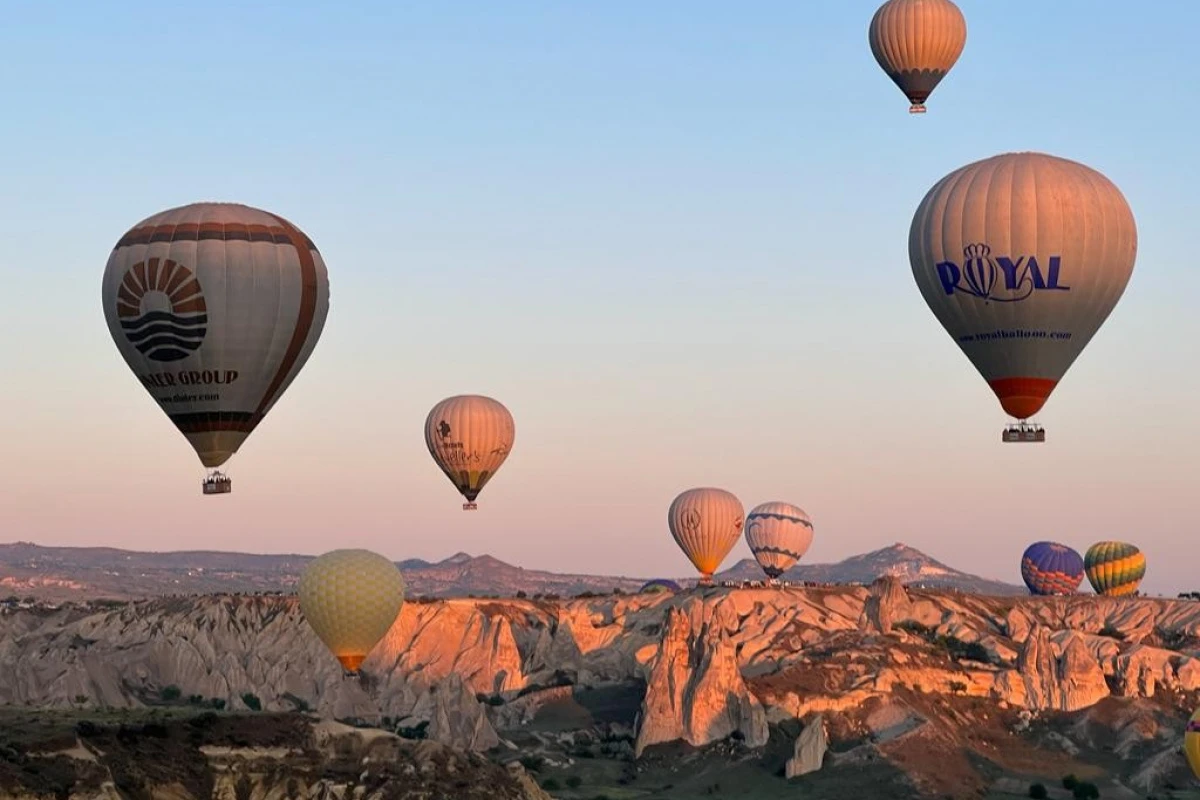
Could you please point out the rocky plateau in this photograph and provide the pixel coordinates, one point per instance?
(866, 691)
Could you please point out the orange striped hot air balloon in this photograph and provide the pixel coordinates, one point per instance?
(916, 42)
(706, 524)
(470, 437)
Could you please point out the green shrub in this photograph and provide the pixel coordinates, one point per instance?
(1038, 792)
(252, 702)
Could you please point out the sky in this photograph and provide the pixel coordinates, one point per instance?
(670, 237)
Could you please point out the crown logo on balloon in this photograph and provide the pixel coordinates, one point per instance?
(978, 269)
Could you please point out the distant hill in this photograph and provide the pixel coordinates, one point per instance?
(66, 573)
(907, 563)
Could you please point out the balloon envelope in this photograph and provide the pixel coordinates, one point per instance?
(1051, 568)
(916, 42)
(779, 534)
(706, 524)
(469, 437)
(351, 598)
(1191, 743)
(656, 585)
(1021, 257)
(1114, 568)
(215, 307)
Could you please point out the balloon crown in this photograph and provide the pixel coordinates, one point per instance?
(979, 250)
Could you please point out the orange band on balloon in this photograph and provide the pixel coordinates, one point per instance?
(1022, 397)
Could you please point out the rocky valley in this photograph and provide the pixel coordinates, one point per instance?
(864, 691)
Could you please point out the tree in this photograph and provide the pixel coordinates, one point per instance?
(252, 702)
(1038, 792)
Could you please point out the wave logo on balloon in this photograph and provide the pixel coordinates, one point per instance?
(162, 310)
(1018, 278)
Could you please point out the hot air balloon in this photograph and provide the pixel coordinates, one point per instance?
(706, 524)
(469, 436)
(778, 535)
(658, 585)
(1191, 743)
(351, 598)
(1114, 569)
(916, 42)
(1022, 257)
(215, 307)
(1051, 568)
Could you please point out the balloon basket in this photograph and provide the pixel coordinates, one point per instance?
(916, 108)
(470, 506)
(1023, 432)
(217, 483)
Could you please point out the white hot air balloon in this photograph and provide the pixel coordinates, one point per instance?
(916, 42)
(779, 534)
(1022, 257)
(706, 524)
(469, 436)
(215, 307)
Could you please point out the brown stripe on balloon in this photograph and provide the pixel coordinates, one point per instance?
(308, 310)
(218, 231)
(214, 422)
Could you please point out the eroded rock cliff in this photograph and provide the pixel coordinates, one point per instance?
(714, 662)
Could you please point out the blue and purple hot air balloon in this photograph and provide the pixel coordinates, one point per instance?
(1050, 568)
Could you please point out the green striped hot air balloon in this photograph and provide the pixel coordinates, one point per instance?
(1114, 569)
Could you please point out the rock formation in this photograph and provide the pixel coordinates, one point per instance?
(266, 757)
(704, 665)
(810, 749)
(695, 690)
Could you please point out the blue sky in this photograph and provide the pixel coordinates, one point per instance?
(671, 237)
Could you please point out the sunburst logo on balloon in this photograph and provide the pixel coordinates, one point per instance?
(162, 310)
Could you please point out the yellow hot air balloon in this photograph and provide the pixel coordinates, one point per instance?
(1191, 743)
(469, 436)
(351, 598)
(1021, 257)
(916, 42)
(1114, 569)
(706, 524)
(215, 307)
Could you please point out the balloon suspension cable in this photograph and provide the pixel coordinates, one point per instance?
(217, 482)
(1023, 431)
